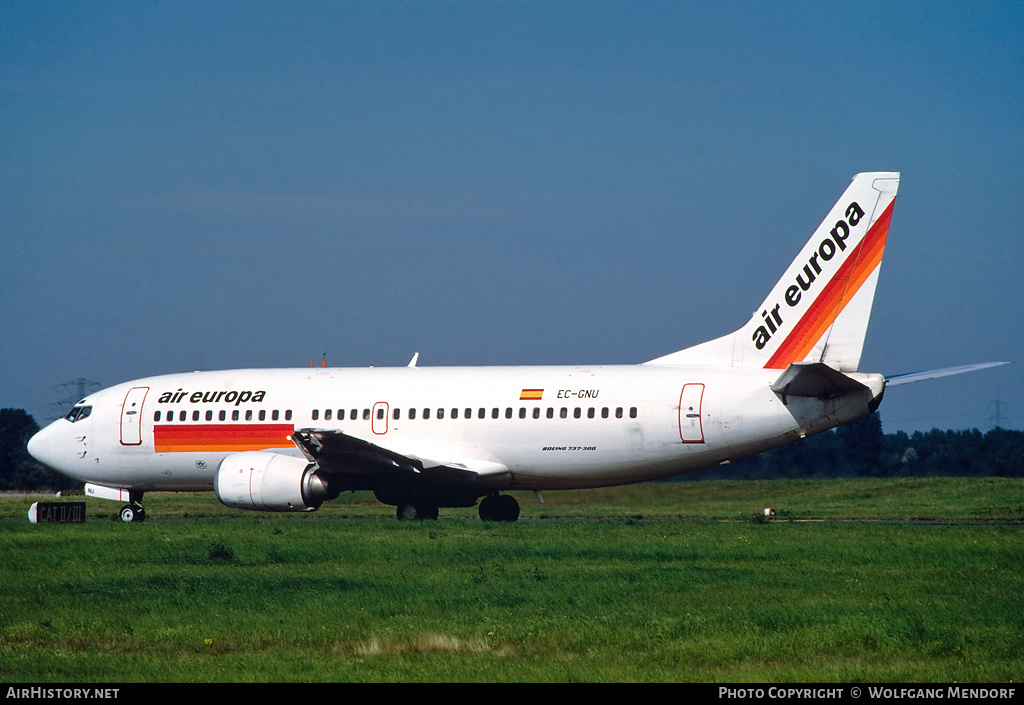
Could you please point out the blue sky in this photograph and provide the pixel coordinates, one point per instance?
(193, 185)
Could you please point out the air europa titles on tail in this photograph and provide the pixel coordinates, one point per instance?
(421, 438)
(836, 242)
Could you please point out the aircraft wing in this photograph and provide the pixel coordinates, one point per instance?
(896, 380)
(362, 465)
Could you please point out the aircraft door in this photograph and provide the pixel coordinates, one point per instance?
(379, 419)
(131, 416)
(690, 428)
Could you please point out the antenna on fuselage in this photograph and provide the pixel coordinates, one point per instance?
(78, 389)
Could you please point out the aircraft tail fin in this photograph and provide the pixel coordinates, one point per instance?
(818, 311)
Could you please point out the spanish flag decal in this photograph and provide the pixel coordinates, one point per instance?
(531, 394)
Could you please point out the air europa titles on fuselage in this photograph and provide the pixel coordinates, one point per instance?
(827, 249)
(232, 397)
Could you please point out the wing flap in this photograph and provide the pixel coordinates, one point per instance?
(365, 465)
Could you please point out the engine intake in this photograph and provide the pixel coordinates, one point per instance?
(270, 482)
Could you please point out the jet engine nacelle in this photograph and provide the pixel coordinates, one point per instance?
(269, 482)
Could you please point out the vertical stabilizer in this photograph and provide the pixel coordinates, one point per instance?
(818, 311)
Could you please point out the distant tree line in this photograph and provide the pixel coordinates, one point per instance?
(860, 449)
(857, 449)
(19, 471)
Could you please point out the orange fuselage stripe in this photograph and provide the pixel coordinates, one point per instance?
(191, 438)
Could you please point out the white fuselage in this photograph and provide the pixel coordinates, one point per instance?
(518, 427)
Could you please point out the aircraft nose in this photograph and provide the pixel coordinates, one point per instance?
(39, 447)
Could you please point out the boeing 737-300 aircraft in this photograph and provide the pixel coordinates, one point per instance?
(421, 438)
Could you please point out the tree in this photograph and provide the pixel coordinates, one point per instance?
(18, 469)
(859, 449)
(861, 443)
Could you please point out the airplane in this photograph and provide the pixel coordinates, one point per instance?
(424, 438)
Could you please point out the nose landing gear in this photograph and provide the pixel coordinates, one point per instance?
(133, 512)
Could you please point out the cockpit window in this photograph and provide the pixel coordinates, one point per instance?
(78, 413)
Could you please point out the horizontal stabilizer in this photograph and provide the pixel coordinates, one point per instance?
(814, 379)
(896, 380)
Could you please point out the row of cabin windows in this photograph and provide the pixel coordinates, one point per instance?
(481, 413)
(396, 414)
(222, 415)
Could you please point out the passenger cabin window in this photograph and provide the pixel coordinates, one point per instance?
(156, 416)
(80, 412)
(222, 415)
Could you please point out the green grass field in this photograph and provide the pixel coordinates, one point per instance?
(660, 582)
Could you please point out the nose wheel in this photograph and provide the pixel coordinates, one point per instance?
(133, 512)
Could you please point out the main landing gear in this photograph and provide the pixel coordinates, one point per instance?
(495, 507)
(416, 511)
(499, 507)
